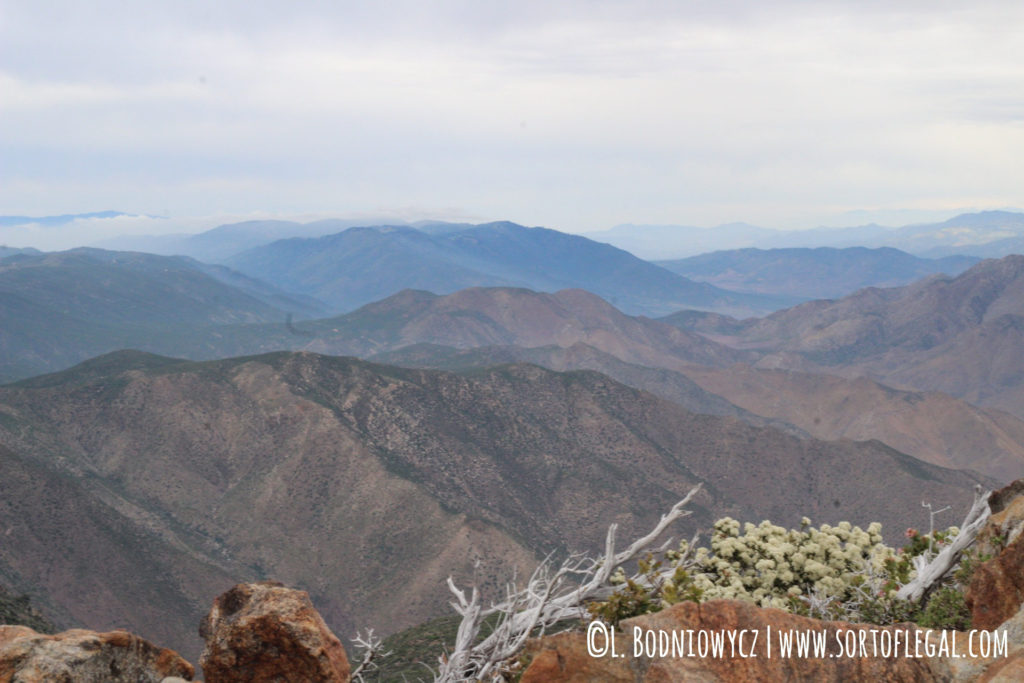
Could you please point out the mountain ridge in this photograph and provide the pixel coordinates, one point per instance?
(959, 335)
(360, 265)
(813, 273)
(265, 466)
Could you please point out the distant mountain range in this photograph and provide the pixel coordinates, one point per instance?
(172, 480)
(819, 273)
(962, 335)
(222, 242)
(12, 251)
(64, 307)
(60, 308)
(360, 265)
(987, 234)
(573, 330)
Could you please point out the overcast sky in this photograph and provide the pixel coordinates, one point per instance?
(573, 115)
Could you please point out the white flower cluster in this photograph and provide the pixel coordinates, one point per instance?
(770, 565)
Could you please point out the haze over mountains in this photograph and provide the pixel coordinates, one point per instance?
(57, 309)
(53, 221)
(222, 242)
(536, 403)
(819, 273)
(360, 265)
(986, 234)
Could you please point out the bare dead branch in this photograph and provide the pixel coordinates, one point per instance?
(371, 646)
(549, 596)
(929, 573)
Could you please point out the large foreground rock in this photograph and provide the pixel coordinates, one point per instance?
(266, 633)
(996, 591)
(80, 656)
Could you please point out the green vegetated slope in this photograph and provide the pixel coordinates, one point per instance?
(57, 309)
(145, 486)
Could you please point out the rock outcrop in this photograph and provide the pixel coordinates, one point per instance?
(85, 657)
(266, 633)
(996, 591)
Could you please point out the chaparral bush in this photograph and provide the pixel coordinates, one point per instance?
(830, 572)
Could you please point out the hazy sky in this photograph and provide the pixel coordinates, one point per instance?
(573, 115)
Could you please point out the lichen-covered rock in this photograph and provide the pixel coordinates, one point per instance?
(80, 656)
(996, 591)
(266, 633)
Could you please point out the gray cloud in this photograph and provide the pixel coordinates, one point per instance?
(576, 116)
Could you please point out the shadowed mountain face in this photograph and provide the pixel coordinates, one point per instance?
(822, 273)
(368, 484)
(57, 309)
(361, 265)
(959, 335)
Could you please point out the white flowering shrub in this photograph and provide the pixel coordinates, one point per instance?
(771, 566)
(834, 572)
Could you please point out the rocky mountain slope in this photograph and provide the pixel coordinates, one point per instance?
(959, 335)
(929, 425)
(670, 385)
(369, 484)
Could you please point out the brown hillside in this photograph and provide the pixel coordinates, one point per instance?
(931, 426)
(959, 335)
(367, 485)
(494, 316)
